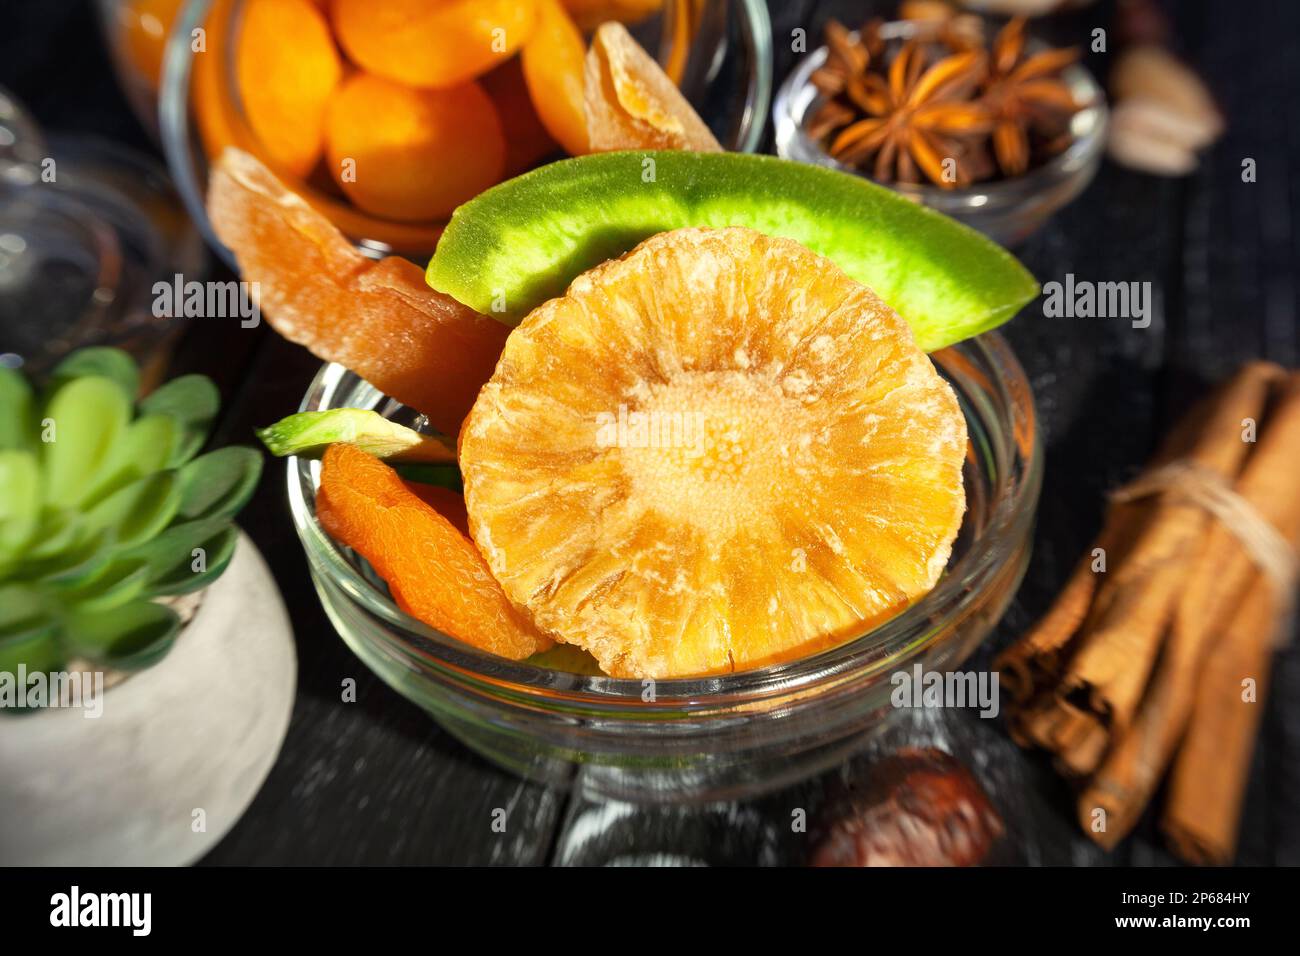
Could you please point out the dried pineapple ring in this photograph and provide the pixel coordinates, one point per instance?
(718, 452)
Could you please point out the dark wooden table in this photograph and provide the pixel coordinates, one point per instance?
(376, 781)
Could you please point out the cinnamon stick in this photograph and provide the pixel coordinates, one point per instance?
(1134, 602)
(1208, 778)
(1218, 586)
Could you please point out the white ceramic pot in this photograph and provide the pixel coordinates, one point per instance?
(178, 752)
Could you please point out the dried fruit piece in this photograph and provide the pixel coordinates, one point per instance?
(553, 66)
(214, 110)
(632, 104)
(412, 154)
(378, 318)
(145, 25)
(433, 570)
(522, 242)
(527, 140)
(287, 67)
(309, 434)
(448, 503)
(719, 452)
(589, 14)
(432, 44)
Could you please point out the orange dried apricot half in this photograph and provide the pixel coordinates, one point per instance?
(631, 103)
(411, 154)
(527, 140)
(433, 43)
(433, 571)
(716, 453)
(379, 319)
(144, 26)
(553, 66)
(287, 67)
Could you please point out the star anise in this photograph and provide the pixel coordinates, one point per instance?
(941, 108)
(916, 117)
(1027, 98)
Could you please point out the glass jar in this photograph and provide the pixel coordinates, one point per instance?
(715, 737)
(720, 52)
(1007, 211)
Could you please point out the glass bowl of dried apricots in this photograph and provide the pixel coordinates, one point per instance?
(386, 114)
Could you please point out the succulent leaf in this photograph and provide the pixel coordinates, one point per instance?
(218, 484)
(136, 513)
(20, 502)
(84, 551)
(128, 637)
(117, 582)
(193, 402)
(21, 607)
(147, 446)
(83, 420)
(98, 361)
(17, 421)
(37, 649)
(187, 556)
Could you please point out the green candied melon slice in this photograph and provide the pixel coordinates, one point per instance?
(308, 434)
(522, 242)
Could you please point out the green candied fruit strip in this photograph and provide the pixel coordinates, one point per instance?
(309, 433)
(520, 243)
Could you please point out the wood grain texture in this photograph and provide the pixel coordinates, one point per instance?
(377, 782)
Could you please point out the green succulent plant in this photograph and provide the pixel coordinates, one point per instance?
(106, 506)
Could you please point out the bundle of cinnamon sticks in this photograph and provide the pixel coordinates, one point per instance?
(1154, 660)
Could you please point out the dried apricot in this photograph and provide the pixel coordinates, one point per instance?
(379, 319)
(716, 453)
(450, 504)
(144, 26)
(632, 104)
(411, 154)
(553, 66)
(527, 140)
(433, 570)
(287, 67)
(436, 44)
(214, 109)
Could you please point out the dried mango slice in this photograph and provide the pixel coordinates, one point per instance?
(716, 453)
(379, 319)
(632, 104)
(432, 43)
(410, 154)
(433, 571)
(553, 61)
(287, 67)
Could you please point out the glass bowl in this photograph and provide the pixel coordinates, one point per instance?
(721, 51)
(1007, 211)
(708, 738)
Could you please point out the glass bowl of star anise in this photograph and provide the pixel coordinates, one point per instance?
(985, 124)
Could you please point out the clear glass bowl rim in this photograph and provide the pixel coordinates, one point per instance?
(793, 143)
(960, 591)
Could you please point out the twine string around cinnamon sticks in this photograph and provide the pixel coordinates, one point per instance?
(1266, 545)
